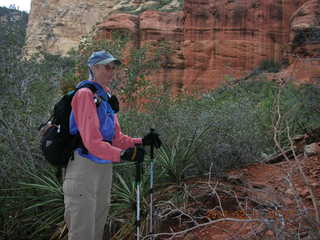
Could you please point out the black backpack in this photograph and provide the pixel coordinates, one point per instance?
(57, 144)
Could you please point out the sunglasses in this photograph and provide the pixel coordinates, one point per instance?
(110, 67)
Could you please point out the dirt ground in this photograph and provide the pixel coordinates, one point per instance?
(260, 201)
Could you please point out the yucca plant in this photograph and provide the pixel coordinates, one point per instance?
(46, 202)
(38, 201)
(123, 208)
(175, 161)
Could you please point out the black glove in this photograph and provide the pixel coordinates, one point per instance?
(152, 138)
(134, 154)
(114, 103)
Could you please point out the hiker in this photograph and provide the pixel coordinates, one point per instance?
(88, 178)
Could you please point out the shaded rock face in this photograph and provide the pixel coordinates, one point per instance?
(304, 41)
(214, 40)
(55, 26)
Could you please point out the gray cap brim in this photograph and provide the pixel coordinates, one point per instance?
(110, 60)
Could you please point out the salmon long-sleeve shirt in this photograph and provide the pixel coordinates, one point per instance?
(86, 117)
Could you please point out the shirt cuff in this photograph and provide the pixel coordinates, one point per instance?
(137, 140)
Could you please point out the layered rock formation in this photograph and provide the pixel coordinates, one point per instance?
(211, 40)
(214, 40)
(56, 26)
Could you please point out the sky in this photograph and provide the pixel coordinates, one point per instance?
(23, 5)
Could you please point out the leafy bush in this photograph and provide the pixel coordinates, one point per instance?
(269, 66)
(29, 87)
(228, 127)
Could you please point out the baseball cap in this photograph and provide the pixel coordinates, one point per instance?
(102, 57)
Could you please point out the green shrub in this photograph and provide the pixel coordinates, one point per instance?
(269, 66)
(237, 124)
(29, 88)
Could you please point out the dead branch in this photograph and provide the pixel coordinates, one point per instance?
(213, 189)
(305, 179)
(172, 209)
(174, 234)
(284, 153)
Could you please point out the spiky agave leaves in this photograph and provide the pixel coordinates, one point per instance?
(124, 202)
(177, 159)
(41, 197)
(46, 202)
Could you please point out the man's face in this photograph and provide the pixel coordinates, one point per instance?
(104, 73)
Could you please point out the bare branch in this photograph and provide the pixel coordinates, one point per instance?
(174, 234)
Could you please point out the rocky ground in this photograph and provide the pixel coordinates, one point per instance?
(260, 201)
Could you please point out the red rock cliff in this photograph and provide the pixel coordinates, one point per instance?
(213, 40)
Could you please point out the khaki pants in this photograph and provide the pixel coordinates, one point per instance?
(87, 190)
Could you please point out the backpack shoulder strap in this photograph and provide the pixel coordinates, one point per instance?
(87, 85)
(97, 99)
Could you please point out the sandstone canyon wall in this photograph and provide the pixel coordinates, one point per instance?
(213, 40)
(56, 26)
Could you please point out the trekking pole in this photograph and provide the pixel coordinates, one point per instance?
(151, 188)
(138, 186)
